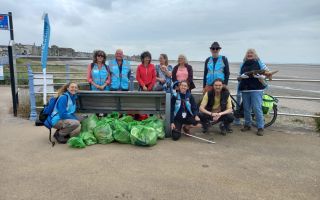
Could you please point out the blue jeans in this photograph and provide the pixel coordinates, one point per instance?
(253, 101)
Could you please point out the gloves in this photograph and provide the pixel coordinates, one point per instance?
(258, 76)
(244, 76)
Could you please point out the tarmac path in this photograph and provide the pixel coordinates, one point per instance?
(283, 164)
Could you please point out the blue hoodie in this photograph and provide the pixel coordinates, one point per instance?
(62, 110)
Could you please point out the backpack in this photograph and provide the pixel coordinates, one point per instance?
(47, 110)
(267, 103)
(45, 115)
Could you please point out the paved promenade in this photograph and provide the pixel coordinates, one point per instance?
(283, 164)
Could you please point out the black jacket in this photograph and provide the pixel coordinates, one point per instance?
(250, 83)
(223, 99)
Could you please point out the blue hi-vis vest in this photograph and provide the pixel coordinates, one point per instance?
(71, 108)
(215, 71)
(119, 81)
(178, 103)
(99, 76)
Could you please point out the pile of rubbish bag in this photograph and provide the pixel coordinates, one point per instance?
(123, 129)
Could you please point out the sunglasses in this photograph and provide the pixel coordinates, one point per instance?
(100, 55)
(215, 49)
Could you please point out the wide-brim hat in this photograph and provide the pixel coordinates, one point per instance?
(215, 45)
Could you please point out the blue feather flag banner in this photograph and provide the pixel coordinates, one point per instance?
(44, 54)
(45, 44)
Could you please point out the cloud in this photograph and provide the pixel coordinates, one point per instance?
(273, 27)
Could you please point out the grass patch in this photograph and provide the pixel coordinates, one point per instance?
(24, 104)
(22, 72)
(21, 61)
(317, 121)
(296, 120)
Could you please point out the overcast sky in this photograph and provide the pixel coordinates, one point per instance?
(286, 31)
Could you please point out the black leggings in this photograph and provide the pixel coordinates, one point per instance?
(178, 122)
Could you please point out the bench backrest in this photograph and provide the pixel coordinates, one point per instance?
(122, 101)
(130, 102)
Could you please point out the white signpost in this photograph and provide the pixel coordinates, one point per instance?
(39, 85)
(1, 73)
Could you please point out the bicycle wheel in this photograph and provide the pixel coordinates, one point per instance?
(269, 118)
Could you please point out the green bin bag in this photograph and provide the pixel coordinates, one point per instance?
(127, 118)
(114, 115)
(120, 132)
(88, 138)
(157, 124)
(132, 124)
(76, 142)
(108, 120)
(103, 133)
(149, 119)
(90, 123)
(143, 136)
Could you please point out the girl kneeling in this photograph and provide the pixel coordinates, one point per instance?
(184, 110)
(63, 117)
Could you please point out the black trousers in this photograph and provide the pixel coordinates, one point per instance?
(226, 119)
(179, 121)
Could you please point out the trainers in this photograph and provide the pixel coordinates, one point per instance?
(228, 129)
(205, 127)
(260, 132)
(60, 139)
(246, 128)
(223, 130)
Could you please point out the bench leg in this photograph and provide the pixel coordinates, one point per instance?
(168, 115)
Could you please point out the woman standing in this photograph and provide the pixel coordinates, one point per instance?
(98, 75)
(146, 73)
(63, 117)
(183, 72)
(163, 73)
(251, 87)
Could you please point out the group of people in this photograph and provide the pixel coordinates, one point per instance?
(216, 106)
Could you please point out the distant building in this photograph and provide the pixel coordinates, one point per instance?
(82, 54)
(54, 50)
(57, 51)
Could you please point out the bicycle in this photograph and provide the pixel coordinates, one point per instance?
(270, 116)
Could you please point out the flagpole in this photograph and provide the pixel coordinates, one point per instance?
(44, 72)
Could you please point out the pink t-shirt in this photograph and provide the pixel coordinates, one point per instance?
(182, 74)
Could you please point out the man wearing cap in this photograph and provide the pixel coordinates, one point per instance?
(216, 66)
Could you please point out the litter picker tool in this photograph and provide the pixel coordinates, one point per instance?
(177, 134)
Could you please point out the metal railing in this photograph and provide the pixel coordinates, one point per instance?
(84, 83)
